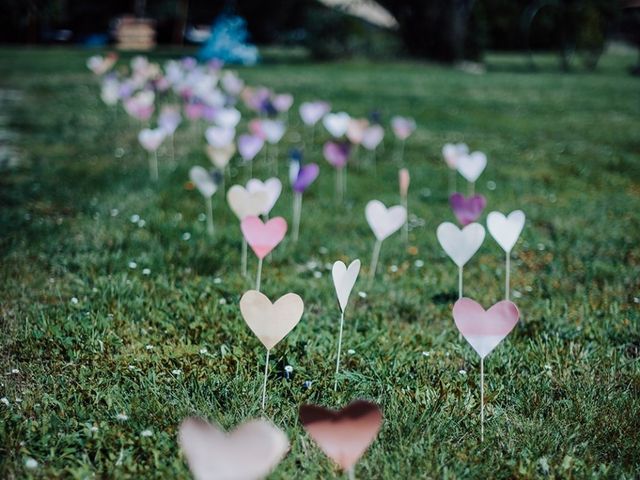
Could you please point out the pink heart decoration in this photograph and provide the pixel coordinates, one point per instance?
(282, 102)
(404, 179)
(484, 330)
(403, 127)
(263, 237)
(467, 209)
(336, 154)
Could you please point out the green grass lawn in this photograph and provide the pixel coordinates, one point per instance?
(86, 338)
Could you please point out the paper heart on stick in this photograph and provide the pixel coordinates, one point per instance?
(282, 102)
(384, 221)
(203, 181)
(219, 136)
(249, 146)
(452, 152)
(263, 237)
(271, 322)
(467, 209)
(273, 130)
(356, 129)
(336, 123)
(344, 435)
(372, 137)
(344, 279)
(249, 452)
(472, 165)
(506, 230)
(302, 176)
(337, 154)
(273, 188)
(403, 127)
(460, 245)
(484, 330)
(227, 117)
(312, 112)
(151, 139)
(220, 156)
(244, 203)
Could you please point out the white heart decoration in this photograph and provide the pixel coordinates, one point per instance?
(273, 188)
(312, 112)
(460, 245)
(227, 117)
(336, 123)
(251, 451)
(246, 204)
(384, 221)
(506, 230)
(220, 156)
(273, 130)
(372, 137)
(151, 139)
(472, 165)
(219, 136)
(271, 322)
(203, 181)
(343, 280)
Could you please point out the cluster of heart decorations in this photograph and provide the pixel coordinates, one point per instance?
(210, 95)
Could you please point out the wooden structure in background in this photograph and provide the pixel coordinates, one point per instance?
(132, 33)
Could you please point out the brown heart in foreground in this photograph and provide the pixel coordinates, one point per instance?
(344, 435)
(249, 452)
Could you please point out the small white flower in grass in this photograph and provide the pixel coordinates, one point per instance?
(311, 265)
(146, 433)
(491, 185)
(202, 217)
(118, 152)
(362, 294)
(636, 299)
(114, 212)
(288, 368)
(31, 463)
(176, 371)
(351, 351)
(141, 223)
(135, 218)
(222, 301)
(133, 265)
(131, 367)
(419, 263)
(4, 400)
(317, 274)
(394, 268)
(328, 266)
(217, 280)
(516, 294)
(462, 372)
(426, 354)
(15, 371)
(323, 250)
(18, 400)
(547, 367)
(74, 300)
(541, 247)
(94, 428)
(146, 271)
(178, 216)
(186, 236)
(123, 417)
(149, 347)
(203, 350)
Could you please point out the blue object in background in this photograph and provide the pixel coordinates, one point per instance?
(229, 42)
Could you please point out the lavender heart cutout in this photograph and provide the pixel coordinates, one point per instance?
(336, 153)
(467, 209)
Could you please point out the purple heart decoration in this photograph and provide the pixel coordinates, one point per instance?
(301, 176)
(337, 154)
(467, 209)
(249, 146)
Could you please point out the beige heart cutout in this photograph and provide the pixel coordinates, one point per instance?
(220, 156)
(247, 204)
(249, 452)
(271, 322)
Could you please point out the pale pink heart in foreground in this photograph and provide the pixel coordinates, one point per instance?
(460, 245)
(250, 452)
(344, 435)
(336, 123)
(344, 279)
(219, 136)
(452, 152)
(472, 165)
(272, 187)
(404, 179)
(271, 322)
(402, 127)
(312, 112)
(484, 330)
(384, 221)
(151, 139)
(506, 230)
(372, 137)
(263, 237)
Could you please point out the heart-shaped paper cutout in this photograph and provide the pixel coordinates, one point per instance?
(219, 136)
(273, 130)
(472, 165)
(273, 188)
(169, 119)
(384, 221)
(484, 330)
(271, 322)
(263, 237)
(336, 123)
(312, 112)
(203, 181)
(345, 435)
(227, 117)
(344, 279)
(452, 152)
(356, 129)
(402, 127)
(250, 452)
(336, 153)
(302, 176)
(246, 204)
(220, 156)
(249, 146)
(282, 102)
(460, 245)
(506, 230)
(372, 137)
(151, 139)
(467, 209)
